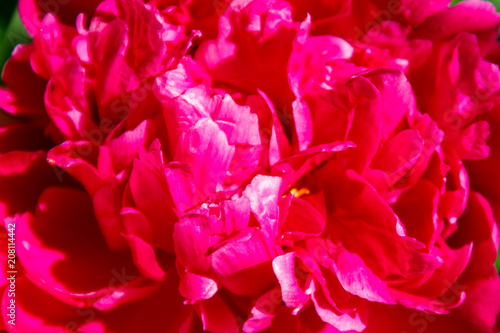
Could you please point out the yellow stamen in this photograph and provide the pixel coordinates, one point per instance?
(300, 192)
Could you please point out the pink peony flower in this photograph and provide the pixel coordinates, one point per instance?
(278, 166)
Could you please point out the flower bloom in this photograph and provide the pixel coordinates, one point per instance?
(263, 165)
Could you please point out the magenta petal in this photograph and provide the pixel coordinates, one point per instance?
(417, 11)
(205, 147)
(114, 77)
(477, 225)
(124, 148)
(147, 48)
(357, 211)
(78, 159)
(184, 111)
(292, 293)
(298, 57)
(151, 195)
(32, 12)
(235, 214)
(26, 89)
(263, 194)
(30, 15)
(482, 306)
(144, 258)
(417, 209)
(181, 186)
(240, 126)
(191, 242)
(366, 127)
(438, 293)
(38, 320)
(264, 311)
(53, 50)
(294, 167)
(246, 249)
(23, 177)
(242, 131)
(341, 321)
(396, 96)
(136, 224)
(217, 316)
(39, 312)
(279, 146)
(474, 141)
(57, 255)
(176, 82)
(272, 131)
(407, 145)
(359, 280)
(352, 273)
(196, 287)
(238, 259)
(258, 35)
(303, 124)
(467, 16)
(302, 221)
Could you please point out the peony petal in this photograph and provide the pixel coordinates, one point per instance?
(264, 311)
(351, 271)
(206, 149)
(294, 167)
(240, 258)
(23, 177)
(474, 141)
(181, 187)
(417, 209)
(32, 12)
(477, 226)
(124, 148)
(151, 195)
(303, 124)
(284, 268)
(217, 316)
(191, 242)
(302, 221)
(26, 89)
(39, 312)
(263, 194)
(366, 127)
(342, 322)
(196, 287)
(57, 255)
(236, 214)
(144, 258)
(398, 155)
(176, 82)
(267, 44)
(355, 208)
(468, 16)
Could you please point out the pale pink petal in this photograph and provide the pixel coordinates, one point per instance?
(341, 321)
(263, 194)
(284, 268)
(196, 287)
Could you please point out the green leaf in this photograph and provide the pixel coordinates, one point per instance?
(11, 35)
(497, 263)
